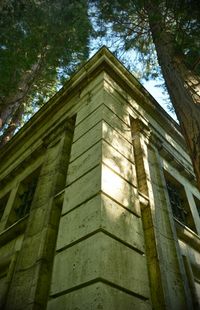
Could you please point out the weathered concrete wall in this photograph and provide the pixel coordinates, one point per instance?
(30, 283)
(100, 261)
(118, 244)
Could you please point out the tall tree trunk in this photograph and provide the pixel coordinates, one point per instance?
(182, 84)
(14, 123)
(13, 102)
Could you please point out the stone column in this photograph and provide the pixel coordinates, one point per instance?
(168, 287)
(100, 261)
(30, 284)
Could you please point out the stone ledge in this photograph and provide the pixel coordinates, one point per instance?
(13, 231)
(187, 235)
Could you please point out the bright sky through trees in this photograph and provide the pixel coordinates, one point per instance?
(153, 86)
(165, 33)
(157, 91)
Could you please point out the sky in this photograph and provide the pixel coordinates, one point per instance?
(153, 86)
(159, 94)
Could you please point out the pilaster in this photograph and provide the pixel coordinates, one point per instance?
(167, 280)
(30, 283)
(100, 261)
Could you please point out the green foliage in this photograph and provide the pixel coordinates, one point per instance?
(53, 33)
(127, 22)
(127, 30)
(185, 18)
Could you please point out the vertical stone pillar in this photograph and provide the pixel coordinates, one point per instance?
(168, 288)
(30, 284)
(100, 261)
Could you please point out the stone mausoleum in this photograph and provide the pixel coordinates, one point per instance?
(98, 202)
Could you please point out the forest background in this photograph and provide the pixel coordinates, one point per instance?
(42, 42)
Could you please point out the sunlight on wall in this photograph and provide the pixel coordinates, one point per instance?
(118, 189)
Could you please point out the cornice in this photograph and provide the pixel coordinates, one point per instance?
(103, 60)
(156, 141)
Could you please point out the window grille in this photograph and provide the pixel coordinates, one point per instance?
(177, 203)
(197, 202)
(25, 199)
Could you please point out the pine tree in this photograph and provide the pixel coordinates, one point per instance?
(41, 42)
(173, 29)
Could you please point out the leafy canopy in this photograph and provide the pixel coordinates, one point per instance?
(53, 33)
(127, 22)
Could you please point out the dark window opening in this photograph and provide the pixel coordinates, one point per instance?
(197, 202)
(176, 202)
(179, 203)
(24, 198)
